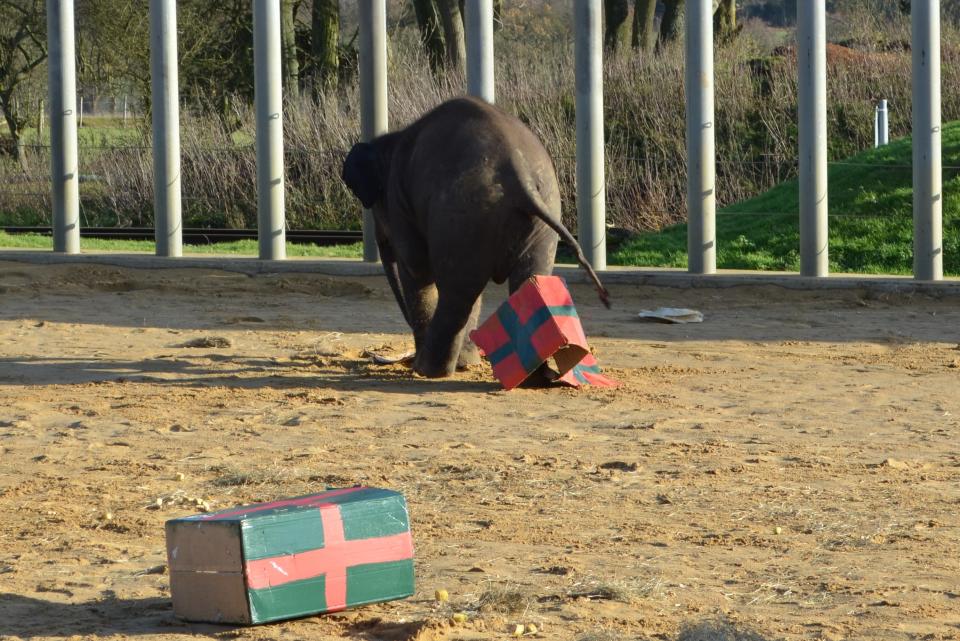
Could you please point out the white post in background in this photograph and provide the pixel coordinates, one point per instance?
(701, 142)
(165, 89)
(927, 168)
(881, 125)
(591, 194)
(268, 96)
(373, 96)
(812, 89)
(80, 113)
(63, 126)
(479, 19)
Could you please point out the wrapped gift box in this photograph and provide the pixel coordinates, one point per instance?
(536, 323)
(289, 558)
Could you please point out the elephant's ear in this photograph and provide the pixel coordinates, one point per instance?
(362, 175)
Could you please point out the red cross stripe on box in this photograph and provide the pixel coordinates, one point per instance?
(333, 560)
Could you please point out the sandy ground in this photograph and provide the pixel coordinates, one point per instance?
(787, 469)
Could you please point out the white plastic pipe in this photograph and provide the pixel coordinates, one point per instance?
(701, 144)
(591, 190)
(927, 164)
(479, 19)
(166, 128)
(64, 170)
(268, 99)
(373, 95)
(812, 89)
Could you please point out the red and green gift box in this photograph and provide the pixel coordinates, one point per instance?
(290, 558)
(538, 322)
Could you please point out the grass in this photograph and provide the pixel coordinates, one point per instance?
(870, 220)
(233, 248)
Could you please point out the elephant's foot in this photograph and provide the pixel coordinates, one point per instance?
(425, 368)
(469, 355)
(544, 376)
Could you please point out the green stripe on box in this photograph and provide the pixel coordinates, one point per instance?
(299, 598)
(375, 518)
(291, 531)
(282, 534)
(377, 582)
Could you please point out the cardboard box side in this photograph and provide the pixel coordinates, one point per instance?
(214, 597)
(204, 546)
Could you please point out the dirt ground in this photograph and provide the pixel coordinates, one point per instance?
(789, 468)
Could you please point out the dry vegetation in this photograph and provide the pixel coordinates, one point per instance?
(756, 131)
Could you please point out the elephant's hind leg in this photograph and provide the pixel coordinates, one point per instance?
(447, 329)
(469, 354)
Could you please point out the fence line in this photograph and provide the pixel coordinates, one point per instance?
(811, 164)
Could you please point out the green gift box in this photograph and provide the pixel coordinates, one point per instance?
(289, 558)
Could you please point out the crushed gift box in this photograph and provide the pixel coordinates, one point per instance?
(290, 558)
(539, 322)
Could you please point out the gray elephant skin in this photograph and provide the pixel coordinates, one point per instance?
(465, 195)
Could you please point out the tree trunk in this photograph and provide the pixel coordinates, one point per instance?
(325, 43)
(288, 47)
(430, 34)
(15, 123)
(615, 16)
(644, 37)
(672, 24)
(453, 34)
(725, 19)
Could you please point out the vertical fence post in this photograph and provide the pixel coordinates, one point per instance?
(373, 95)
(40, 122)
(591, 196)
(701, 141)
(812, 108)
(63, 126)
(927, 169)
(80, 113)
(881, 134)
(124, 111)
(479, 19)
(165, 90)
(268, 96)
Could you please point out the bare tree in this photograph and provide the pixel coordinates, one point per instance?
(288, 47)
(453, 33)
(23, 48)
(325, 42)
(725, 19)
(644, 37)
(615, 19)
(672, 23)
(428, 20)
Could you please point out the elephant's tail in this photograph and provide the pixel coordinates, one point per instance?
(539, 210)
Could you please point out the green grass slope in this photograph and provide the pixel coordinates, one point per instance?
(870, 220)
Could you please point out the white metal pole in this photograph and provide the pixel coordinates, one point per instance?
(812, 89)
(373, 95)
(268, 97)
(884, 123)
(881, 125)
(701, 145)
(927, 167)
(479, 19)
(63, 126)
(591, 194)
(165, 88)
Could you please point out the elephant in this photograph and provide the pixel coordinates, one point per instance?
(465, 195)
